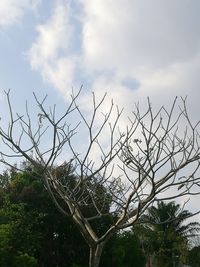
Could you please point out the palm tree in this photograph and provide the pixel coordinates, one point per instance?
(164, 235)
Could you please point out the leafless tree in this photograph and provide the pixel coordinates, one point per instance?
(154, 158)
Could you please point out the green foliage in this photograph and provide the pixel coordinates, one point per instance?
(33, 233)
(163, 234)
(24, 260)
(31, 228)
(5, 248)
(17, 236)
(194, 257)
(123, 251)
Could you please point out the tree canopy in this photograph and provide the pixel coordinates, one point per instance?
(165, 234)
(34, 233)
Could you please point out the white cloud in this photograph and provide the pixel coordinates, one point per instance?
(11, 11)
(153, 44)
(156, 43)
(49, 54)
(128, 34)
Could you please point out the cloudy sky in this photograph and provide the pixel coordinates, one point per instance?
(129, 48)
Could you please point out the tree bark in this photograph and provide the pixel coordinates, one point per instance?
(95, 254)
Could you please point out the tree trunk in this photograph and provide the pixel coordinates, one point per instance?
(95, 255)
(149, 261)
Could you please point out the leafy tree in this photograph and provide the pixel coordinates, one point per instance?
(18, 239)
(164, 235)
(127, 252)
(28, 229)
(27, 213)
(194, 257)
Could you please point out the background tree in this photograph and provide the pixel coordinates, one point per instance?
(194, 257)
(167, 234)
(30, 236)
(127, 251)
(34, 227)
(18, 238)
(153, 151)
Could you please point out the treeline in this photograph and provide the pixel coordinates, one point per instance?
(33, 233)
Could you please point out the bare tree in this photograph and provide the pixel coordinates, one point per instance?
(137, 166)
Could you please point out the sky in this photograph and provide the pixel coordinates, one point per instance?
(129, 49)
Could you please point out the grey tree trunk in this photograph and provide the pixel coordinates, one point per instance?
(95, 255)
